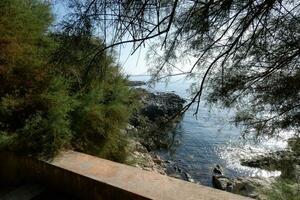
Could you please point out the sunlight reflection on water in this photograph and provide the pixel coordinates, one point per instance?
(233, 151)
(210, 139)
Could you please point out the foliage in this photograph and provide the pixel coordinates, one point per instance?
(244, 54)
(283, 190)
(25, 97)
(99, 118)
(47, 131)
(51, 96)
(104, 102)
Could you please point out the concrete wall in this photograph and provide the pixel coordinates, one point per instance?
(90, 177)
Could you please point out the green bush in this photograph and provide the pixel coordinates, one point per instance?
(54, 93)
(98, 120)
(284, 190)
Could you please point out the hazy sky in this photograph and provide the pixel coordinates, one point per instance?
(132, 64)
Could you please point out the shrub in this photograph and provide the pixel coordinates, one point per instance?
(52, 94)
(284, 190)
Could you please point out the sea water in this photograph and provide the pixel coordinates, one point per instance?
(209, 138)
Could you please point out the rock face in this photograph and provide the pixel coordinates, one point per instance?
(157, 106)
(247, 186)
(151, 118)
(222, 182)
(140, 157)
(148, 130)
(161, 105)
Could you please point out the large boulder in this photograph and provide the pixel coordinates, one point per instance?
(218, 170)
(252, 186)
(152, 119)
(248, 186)
(221, 182)
(160, 105)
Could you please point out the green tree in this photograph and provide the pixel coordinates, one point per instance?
(104, 102)
(245, 53)
(51, 95)
(34, 105)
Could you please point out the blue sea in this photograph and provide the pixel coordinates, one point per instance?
(210, 138)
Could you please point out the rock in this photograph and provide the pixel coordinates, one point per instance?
(218, 170)
(218, 180)
(270, 161)
(284, 161)
(146, 131)
(177, 169)
(221, 182)
(140, 148)
(248, 186)
(173, 170)
(161, 105)
(178, 176)
(294, 145)
(130, 129)
(141, 158)
(157, 159)
(229, 187)
(252, 186)
(189, 177)
(151, 118)
(136, 83)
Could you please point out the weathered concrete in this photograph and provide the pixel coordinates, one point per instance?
(90, 177)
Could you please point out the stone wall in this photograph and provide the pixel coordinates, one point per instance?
(89, 177)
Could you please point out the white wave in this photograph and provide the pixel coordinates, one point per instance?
(233, 151)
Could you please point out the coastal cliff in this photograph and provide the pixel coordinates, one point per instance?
(149, 132)
(149, 128)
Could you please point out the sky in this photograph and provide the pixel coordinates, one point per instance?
(131, 64)
(135, 64)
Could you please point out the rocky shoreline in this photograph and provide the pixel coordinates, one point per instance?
(253, 187)
(287, 161)
(149, 128)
